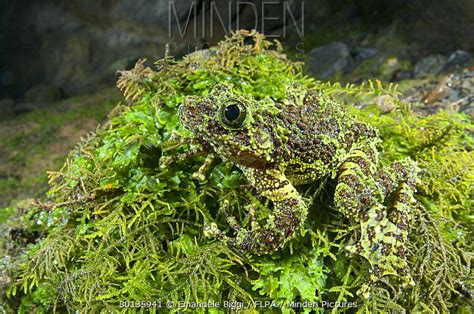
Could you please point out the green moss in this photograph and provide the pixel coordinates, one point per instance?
(406, 85)
(118, 227)
(368, 68)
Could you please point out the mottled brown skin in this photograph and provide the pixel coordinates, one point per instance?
(298, 140)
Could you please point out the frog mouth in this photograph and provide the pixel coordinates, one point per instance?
(251, 160)
(182, 113)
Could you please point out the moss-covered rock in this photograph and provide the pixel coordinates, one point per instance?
(120, 228)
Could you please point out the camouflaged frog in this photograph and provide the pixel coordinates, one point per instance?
(303, 138)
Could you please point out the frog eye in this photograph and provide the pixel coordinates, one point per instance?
(233, 115)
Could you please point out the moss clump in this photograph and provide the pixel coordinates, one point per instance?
(120, 228)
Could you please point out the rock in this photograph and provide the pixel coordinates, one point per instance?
(439, 92)
(156, 12)
(43, 93)
(457, 58)
(402, 75)
(430, 65)
(393, 69)
(7, 78)
(24, 107)
(367, 68)
(452, 92)
(385, 104)
(362, 53)
(439, 25)
(390, 66)
(6, 103)
(329, 60)
(76, 45)
(7, 106)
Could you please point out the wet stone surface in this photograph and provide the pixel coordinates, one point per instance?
(453, 92)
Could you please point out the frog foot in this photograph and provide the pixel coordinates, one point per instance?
(384, 232)
(257, 240)
(288, 215)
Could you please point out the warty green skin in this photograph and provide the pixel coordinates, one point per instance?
(298, 140)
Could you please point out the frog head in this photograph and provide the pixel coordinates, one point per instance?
(237, 127)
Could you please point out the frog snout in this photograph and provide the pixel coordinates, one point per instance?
(182, 113)
(189, 115)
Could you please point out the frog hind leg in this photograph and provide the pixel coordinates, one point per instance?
(382, 243)
(379, 200)
(289, 213)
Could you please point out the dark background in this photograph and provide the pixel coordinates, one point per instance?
(52, 49)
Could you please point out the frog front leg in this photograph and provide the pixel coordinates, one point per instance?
(196, 147)
(289, 213)
(379, 200)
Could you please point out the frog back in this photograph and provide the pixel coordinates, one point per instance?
(320, 133)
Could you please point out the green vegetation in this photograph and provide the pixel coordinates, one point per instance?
(117, 227)
(37, 141)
